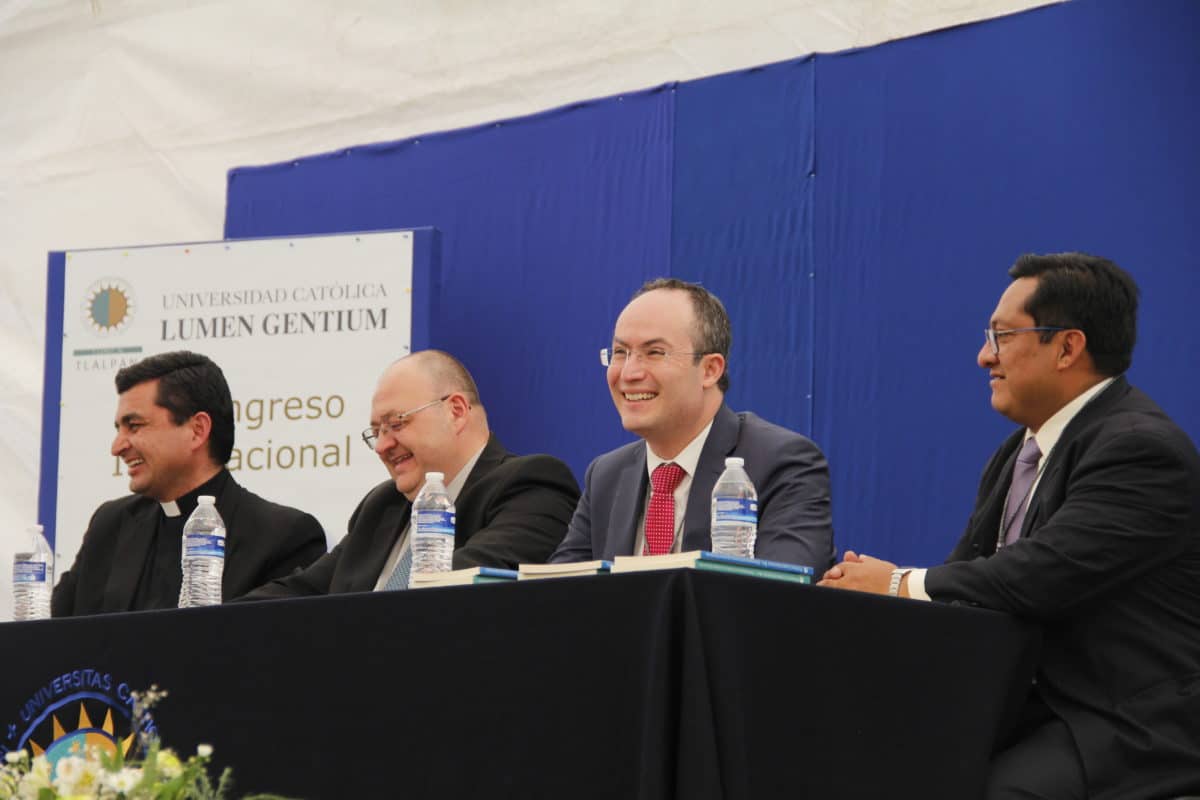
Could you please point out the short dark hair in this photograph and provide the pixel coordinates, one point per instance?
(188, 383)
(1077, 290)
(713, 333)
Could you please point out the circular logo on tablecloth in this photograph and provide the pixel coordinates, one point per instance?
(75, 711)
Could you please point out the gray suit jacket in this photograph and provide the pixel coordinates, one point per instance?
(788, 471)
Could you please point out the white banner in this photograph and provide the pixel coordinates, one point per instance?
(301, 328)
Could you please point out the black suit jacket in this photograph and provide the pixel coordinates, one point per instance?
(511, 510)
(264, 540)
(789, 473)
(1109, 562)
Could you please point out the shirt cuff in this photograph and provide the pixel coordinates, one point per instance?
(916, 585)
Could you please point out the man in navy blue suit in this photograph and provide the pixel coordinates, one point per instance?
(667, 376)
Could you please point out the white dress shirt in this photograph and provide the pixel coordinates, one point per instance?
(688, 459)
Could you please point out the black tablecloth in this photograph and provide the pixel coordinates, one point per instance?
(649, 685)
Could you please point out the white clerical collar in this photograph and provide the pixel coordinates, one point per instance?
(688, 458)
(171, 508)
(1052, 429)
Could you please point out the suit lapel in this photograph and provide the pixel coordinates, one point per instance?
(1098, 407)
(721, 441)
(391, 523)
(628, 502)
(987, 521)
(468, 512)
(137, 530)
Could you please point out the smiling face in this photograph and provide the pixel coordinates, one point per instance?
(161, 456)
(1027, 386)
(667, 402)
(427, 440)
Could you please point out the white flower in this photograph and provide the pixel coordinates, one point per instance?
(68, 769)
(204, 750)
(124, 780)
(37, 779)
(76, 776)
(13, 756)
(40, 767)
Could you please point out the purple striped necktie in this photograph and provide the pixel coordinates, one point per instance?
(1024, 474)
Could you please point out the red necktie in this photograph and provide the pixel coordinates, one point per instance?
(660, 514)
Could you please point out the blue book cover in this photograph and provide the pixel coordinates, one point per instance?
(760, 563)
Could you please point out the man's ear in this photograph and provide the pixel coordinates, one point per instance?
(713, 365)
(1071, 348)
(459, 408)
(200, 425)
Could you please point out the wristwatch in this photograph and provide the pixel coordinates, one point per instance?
(897, 576)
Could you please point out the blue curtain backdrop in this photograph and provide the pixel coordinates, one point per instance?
(856, 212)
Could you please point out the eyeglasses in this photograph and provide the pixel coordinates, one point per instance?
(993, 336)
(394, 423)
(617, 356)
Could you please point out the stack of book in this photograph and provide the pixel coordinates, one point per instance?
(462, 577)
(534, 571)
(704, 560)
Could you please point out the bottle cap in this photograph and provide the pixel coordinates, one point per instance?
(34, 529)
(435, 476)
(206, 500)
(734, 461)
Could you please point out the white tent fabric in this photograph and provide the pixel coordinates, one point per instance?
(120, 118)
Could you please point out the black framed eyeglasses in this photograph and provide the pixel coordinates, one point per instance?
(993, 336)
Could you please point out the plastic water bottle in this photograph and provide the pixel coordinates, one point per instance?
(203, 556)
(433, 527)
(33, 575)
(734, 512)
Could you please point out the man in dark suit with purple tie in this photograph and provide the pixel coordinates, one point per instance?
(1087, 521)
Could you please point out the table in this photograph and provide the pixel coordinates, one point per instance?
(647, 685)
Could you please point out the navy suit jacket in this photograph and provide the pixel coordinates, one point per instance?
(1109, 563)
(264, 540)
(789, 473)
(511, 510)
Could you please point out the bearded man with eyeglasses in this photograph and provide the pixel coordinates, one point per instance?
(667, 377)
(426, 416)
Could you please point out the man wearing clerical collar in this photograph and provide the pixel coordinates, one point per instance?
(175, 432)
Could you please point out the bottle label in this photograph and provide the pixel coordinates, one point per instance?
(435, 522)
(737, 511)
(29, 572)
(204, 544)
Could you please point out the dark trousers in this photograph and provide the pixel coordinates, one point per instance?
(1041, 761)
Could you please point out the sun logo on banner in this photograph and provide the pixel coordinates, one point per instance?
(86, 736)
(108, 306)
